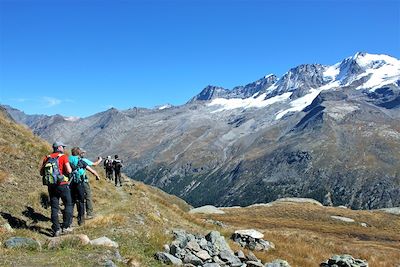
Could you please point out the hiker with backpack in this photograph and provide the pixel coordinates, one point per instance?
(117, 165)
(108, 166)
(86, 184)
(54, 171)
(76, 183)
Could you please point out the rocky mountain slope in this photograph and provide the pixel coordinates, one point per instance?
(327, 132)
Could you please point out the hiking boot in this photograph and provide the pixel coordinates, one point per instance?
(88, 217)
(57, 233)
(68, 230)
(81, 221)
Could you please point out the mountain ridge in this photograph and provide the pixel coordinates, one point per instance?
(318, 130)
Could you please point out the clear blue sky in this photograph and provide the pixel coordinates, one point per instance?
(77, 58)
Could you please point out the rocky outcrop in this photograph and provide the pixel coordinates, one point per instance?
(252, 239)
(344, 261)
(210, 251)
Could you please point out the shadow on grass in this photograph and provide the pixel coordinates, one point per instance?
(18, 223)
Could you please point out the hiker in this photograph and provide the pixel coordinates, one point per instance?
(117, 165)
(108, 166)
(54, 170)
(76, 183)
(86, 184)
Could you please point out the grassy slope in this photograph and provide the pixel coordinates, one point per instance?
(137, 217)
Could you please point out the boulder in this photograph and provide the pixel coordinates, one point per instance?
(203, 255)
(230, 258)
(251, 233)
(23, 242)
(104, 241)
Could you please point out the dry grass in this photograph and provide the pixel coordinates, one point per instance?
(305, 234)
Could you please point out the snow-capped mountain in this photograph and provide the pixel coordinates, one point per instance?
(327, 132)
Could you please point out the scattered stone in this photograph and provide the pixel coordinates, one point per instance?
(277, 263)
(23, 242)
(254, 264)
(168, 258)
(208, 209)
(104, 241)
(109, 263)
(203, 255)
(193, 245)
(252, 257)
(211, 264)
(7, 227)
(344, 219)
(344, 261)
(230, 258)
(79, 239)
(217, 223)
(342, 207)
(167, 248)
(364, 224)
(252, 240)
(250, 232)
(192, 259)
(240, 255)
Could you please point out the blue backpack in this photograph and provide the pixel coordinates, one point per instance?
(78, 171)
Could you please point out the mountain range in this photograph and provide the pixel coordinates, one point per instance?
(331, 133)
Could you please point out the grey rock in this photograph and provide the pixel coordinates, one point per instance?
(109, 263)
(250, 233)
(230, 258)
(254, 264)
(240, 255)
(104, 241)
(193, 245)
(22, 242)
(211, 264)
(168, 258)
(344, 261)
(203, 255)
(251, 256)
(192, 259)
(277, 263)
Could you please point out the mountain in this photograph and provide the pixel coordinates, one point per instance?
(327, 132)
(141, 219)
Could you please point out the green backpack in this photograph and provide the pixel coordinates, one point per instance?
(52, 173)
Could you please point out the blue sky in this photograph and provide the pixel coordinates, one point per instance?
(77, 58)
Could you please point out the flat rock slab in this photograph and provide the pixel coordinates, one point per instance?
(298, 200)
(208, 209)
(344, 219)
(395, 210)
(250, 232)
(22, 242)
(277, 263)
(104, 241)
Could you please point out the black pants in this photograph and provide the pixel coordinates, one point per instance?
(78, 198)
(56, 192)
(117, 177)
(109, 174)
